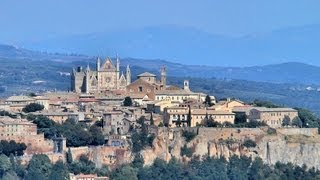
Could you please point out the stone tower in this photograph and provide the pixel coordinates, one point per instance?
(98, 64)
(87, 78)
(163, 77)
(118, 72)
(128, 75)
(186, 85)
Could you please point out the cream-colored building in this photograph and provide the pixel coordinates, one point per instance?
(42, 100)
(273, 117)
(17, 103)
(158, 106)
(172, 114)
(16, 127)
(219, 116)
(228, 105)
(179, 95)
(23, 131)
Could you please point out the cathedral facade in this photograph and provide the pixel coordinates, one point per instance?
(106, 77)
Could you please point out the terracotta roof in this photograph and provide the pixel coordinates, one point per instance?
(137, 95)
(210, 112)
(264, 109)
(146, 74)
(174, 92)
(242, 108)
(20, 98)
(5, 120)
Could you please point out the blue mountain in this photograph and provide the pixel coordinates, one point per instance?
(191, 46)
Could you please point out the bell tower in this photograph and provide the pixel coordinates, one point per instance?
(163, 77)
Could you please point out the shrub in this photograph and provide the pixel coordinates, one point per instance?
(188, 135)
(127, 101)
(249, 143)
(186, 151)
(32, 107)
(271, 131)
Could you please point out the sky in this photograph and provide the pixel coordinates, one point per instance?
(41, 19)
(25, 22)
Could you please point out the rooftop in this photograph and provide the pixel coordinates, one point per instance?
(264, 109)
(20, 98)
(146, 74)
(5, 120)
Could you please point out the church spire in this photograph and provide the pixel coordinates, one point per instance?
(98, 64)
(118, 63)
(128, 74)
(88, 67)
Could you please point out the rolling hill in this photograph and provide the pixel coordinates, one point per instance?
(191, 46)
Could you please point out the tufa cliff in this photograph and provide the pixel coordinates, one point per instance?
(298, 146)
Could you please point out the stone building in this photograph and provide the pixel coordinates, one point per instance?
(273, 117)
(180, 95)
(23, 131)
(106, 77)
(14, 127)
(147, 84)
(172, 114)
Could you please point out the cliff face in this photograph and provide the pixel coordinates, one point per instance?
(299, 146)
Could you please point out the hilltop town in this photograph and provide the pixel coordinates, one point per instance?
(109, 119)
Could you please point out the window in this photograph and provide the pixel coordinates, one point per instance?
(140, 89)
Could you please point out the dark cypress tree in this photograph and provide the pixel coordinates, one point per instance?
(151, 120)
(189, 117)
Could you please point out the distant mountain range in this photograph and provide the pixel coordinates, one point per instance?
(192, 46)
(291, 72)
(23, 71)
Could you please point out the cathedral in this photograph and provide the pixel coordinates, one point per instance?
(106, 77)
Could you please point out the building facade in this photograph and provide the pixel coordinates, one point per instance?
(172, 114)
(106, 77)
(273, 117)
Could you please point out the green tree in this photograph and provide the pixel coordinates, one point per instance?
(5, 164)
(32, 94)
(207, 101)
(189, 117)
(297, 122)
(240, 118)
(59, 171)
(249, 143)
(32, 107)
(98, 137)
(39, 167)
(126, 173)
(308, 118)
(127, 101)
(151, 119)
(138, 161)
(286, 121)
(256, 170)
(186, 151)
(266, 104)
(69, 158)
(103, 171)
(189, 135)
(12, 147)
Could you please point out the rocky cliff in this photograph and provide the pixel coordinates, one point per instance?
(299, 146)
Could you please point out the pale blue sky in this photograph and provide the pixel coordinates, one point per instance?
(32, 20)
